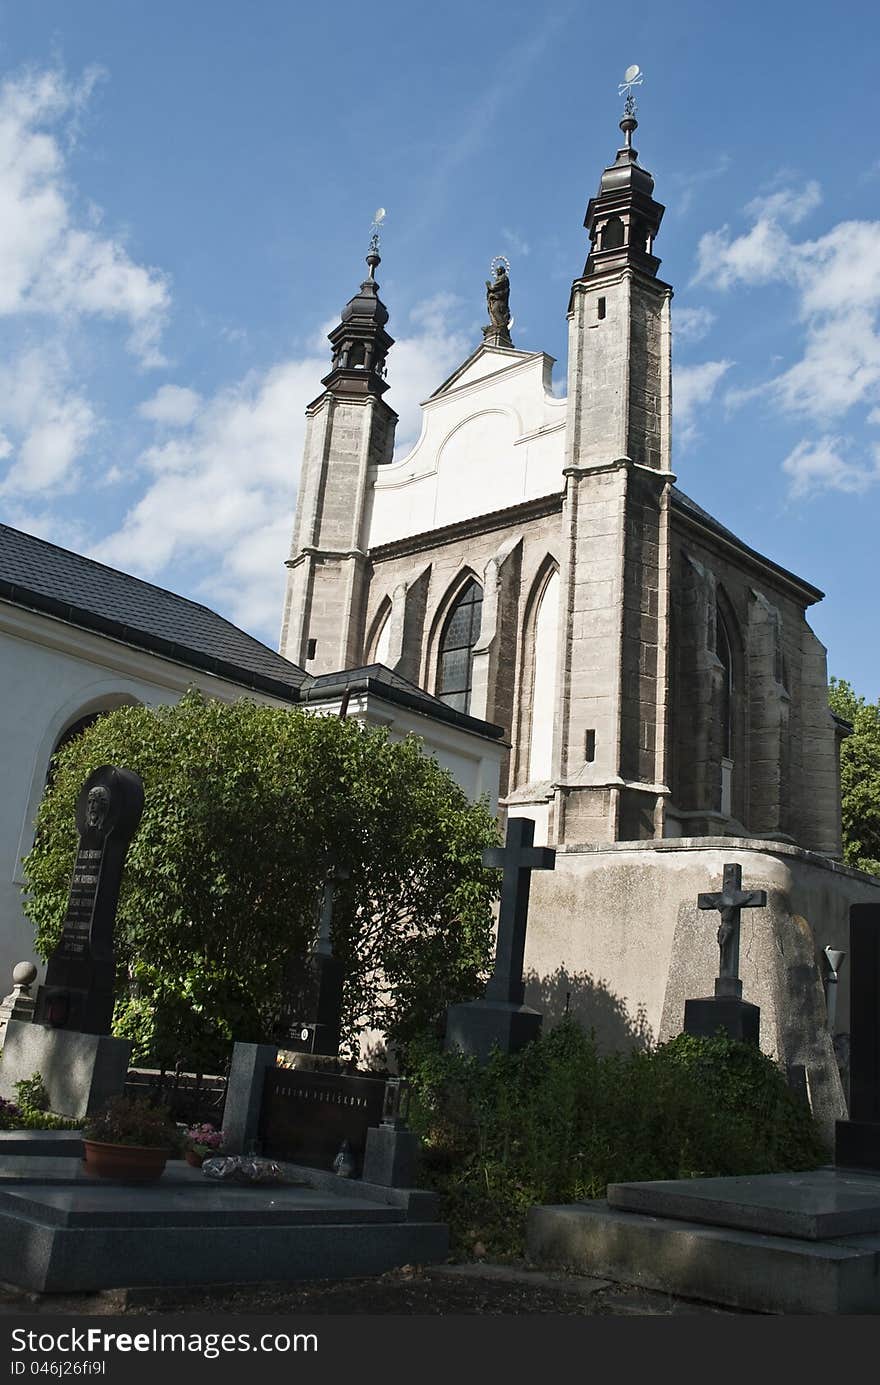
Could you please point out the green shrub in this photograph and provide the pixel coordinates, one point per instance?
(31, 1094)
(558, 1122)
(30, 1110)
(246, 806)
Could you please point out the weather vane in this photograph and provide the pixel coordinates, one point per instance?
(632, 77)
(378, 217)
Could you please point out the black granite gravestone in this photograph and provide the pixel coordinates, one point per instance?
(501, 1017)
(80, 980)
(857, 1140)
(305, 1115)
(726, 1010)
(312, 1021)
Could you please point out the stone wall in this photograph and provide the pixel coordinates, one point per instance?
(784, 753)
(616, 929)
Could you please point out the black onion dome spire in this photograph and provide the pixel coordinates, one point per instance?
(360, 342)
(623, 219)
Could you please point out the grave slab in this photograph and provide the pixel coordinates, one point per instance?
(57, 1143)
(716, 1264)
(78, 1234)
(818, 1205)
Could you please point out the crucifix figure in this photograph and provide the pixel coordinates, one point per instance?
(517, 858)
(729, 903)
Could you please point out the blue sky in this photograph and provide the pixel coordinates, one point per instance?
(186, 193)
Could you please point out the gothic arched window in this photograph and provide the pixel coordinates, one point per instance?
(456, 658)
(724, 651)
(543, 712)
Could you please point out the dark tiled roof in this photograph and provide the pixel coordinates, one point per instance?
(384, 682)
(690, 507)
(43, 577)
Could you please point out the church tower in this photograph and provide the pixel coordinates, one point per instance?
(349, 429)
(611, 756)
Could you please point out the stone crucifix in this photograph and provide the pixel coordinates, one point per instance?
(730, 902)
(517, 858)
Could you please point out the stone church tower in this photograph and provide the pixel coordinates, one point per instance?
(531, 562)
(349, 431)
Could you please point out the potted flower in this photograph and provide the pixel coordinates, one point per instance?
(201, 1142)
(129, 1140)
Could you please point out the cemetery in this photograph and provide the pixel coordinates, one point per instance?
(694, 1168)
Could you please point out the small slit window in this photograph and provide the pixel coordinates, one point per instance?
(600, 309)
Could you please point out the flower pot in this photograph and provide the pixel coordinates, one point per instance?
(193, 1157)
(127, 1163)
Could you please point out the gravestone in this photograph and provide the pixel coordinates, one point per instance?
(69, 1041)
(726, 1010)
(501, 1017)
(857, 1140)
(306, 1115)
(78, 992)
(312, 1022)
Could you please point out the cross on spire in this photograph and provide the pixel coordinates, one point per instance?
(517, 858)
(730, 902)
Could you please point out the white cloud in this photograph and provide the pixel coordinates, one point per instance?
(172, 405)
(45, 422)
(221, 489)
(53, 260)
(839, 369)
(789, 204)
(763, 253)
(516, 243)
(692, 388)
(815, 466)
(691, 324)
(836, 282)
(422, 359)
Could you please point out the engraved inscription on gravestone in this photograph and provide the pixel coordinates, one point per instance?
(79, 986)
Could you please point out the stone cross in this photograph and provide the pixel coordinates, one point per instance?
(730, 903)
(517, 858)
(79, 988)
(335, 874)
(312, 1018)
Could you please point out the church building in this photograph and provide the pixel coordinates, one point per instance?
(533, 563)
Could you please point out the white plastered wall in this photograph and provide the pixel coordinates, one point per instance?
(492, 437)
(51, 674)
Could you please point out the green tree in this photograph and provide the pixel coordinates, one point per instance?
(859, 776)
(245, 806)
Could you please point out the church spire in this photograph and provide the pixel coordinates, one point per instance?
(360, 342)
(623, 219)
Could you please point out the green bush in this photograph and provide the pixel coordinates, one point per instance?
(246, 805)
(30, 1110)
(31, 1094)
(558, 1122)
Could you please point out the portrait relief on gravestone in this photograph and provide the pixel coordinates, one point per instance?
(80, 979)
(97, 807)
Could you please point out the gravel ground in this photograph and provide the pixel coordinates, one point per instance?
(441, 1289)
